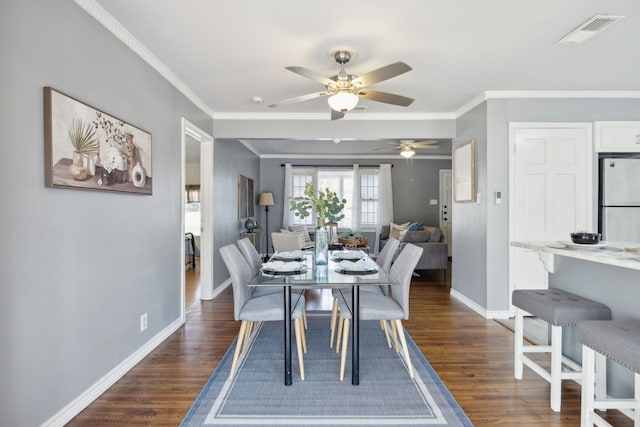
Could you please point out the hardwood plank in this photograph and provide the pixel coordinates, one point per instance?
(472, 355)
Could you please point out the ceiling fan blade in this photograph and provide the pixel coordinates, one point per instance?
(300, 98)
(336, 115)
(382, 73)
(305, 72)
(387, 98)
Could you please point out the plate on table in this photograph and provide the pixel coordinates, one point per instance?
(356, 272)
(585, 246)
(288, 256)
(279, 268)
(348, 255)
(363, 266)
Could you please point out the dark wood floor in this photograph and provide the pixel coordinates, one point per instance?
(473, 356)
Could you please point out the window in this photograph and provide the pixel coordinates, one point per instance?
(369, 198)
(341, 181)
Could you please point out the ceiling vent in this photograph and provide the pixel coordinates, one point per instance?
(589, 29)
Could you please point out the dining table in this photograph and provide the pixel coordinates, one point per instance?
(345, 270)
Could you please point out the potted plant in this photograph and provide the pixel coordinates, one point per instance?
(85, 145)
(328, 208)
(352, 238)
(326, 204)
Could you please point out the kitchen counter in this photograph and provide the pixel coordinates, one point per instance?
(609, 274)
(611, 253)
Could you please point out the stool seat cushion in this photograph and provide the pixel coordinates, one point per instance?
(558, 307)
(619, 340)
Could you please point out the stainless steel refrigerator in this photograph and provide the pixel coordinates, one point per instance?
(619, 199)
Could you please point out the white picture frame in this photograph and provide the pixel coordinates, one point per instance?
(464, 181)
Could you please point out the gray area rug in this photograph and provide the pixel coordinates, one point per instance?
(386, 395)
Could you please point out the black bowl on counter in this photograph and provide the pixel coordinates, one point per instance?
(584, 238)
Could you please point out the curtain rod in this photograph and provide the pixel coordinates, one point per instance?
(331, 166)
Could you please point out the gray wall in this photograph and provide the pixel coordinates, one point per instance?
(469, 250)
(79, 267)
(230, 159)
(481, 231)
(415, 182)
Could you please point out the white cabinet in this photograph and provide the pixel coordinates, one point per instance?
(611, 137)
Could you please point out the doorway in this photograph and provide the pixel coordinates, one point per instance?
(197, 218)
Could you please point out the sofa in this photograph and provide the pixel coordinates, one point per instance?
(430, 239)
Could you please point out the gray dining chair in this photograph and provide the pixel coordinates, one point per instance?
(249, 309)
(255, 262)
(384, 260)
(374, 306)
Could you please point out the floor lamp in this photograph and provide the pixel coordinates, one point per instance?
(266, 200)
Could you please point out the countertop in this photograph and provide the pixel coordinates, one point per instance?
(611, 253)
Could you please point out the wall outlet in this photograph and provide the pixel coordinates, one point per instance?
(143, 322)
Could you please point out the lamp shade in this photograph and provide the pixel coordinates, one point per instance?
(407, 153)
(266, 199)
(343, 101)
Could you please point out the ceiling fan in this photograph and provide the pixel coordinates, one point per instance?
(345, 90)
(408, 146)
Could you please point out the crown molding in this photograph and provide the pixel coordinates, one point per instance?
(117, 29)
(545, 94)
(325, 116)
(355, 156)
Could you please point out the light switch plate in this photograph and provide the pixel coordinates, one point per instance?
(433, 202)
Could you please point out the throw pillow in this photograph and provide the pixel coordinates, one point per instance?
(397, 229)
(415, 226)
(303, 230)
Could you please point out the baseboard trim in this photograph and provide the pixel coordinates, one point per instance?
(67, 413)
(487, 314)
(217, 291)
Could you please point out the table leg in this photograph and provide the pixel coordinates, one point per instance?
(355, 336)
(287, 335)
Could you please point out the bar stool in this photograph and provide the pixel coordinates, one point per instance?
(618, 340)
(558, 308)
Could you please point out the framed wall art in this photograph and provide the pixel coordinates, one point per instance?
(89, 149)
(245, 197)
(464, 180)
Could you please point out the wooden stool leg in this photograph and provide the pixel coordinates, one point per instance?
(345, 346)
(299, 328)
(241, 335)
(636, 396)
(340, 322)
(334, 316)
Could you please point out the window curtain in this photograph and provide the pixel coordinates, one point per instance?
(355, 198)
(385, 201)
(192, 193)
(287, 214)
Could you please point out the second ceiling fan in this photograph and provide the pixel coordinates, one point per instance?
(345, 90)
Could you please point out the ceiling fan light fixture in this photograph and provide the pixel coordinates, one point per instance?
(343, 101)
(407, 153)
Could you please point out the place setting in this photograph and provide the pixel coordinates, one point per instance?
(362, 266)
(281, 268)
(348, 255)
(288, 256)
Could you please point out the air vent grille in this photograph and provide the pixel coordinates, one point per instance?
(590, 28)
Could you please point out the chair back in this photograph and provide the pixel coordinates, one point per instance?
(287, 241)
(401, 271)
(241, 274)
(250, 253)
(385, 257)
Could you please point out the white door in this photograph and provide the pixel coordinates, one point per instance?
(550, 191)
(445, 206)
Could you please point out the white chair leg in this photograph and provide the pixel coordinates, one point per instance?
(600, 376)
(588, 389)
(556, 367)
(241, 335)
(299, 328)
(405, 349)
(518, 336)
(345, 346)
(334, 316)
